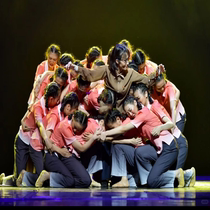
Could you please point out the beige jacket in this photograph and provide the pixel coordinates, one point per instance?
(119, 85)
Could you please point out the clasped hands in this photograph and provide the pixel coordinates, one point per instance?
(160, 69)
(99, 135)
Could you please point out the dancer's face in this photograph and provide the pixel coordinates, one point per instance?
(141, 97)
(123, 63)
(69, 110)
(115, 124)
(131, 109)
(141, 68)
(160, 86)
(52, 102)
(77, 127)
(104, 108)
(59, 81)
(52, 60)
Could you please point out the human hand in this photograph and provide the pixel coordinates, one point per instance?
(102, 136)
(69, 65)
(49, 146)
(25, 127)
(156, 131)
(37, 85)
(136, 141)
(87, 136)
(86, 100)
(160, 69)
(65, 152)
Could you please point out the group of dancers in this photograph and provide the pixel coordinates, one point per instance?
(110, 120)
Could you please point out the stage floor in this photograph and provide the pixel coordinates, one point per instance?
(199, 195)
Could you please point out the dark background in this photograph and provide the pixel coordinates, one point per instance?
(173, 32)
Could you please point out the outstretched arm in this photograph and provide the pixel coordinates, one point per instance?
(119, 130)
(87, 74)
(133, 141)
(150, 79)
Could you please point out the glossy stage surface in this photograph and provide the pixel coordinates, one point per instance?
(199, 195)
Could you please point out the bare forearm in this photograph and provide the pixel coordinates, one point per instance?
(64, 92)
(44, 135)
(82, 148)
(42, 130)
(167, 126)
(119, 130)
(122, 141)
(173, 111)
(56, 149)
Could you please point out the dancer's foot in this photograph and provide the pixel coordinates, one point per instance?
(190, 176)
(8, 180)
(20, 178)
(180, 177)
(192, 179)
(122, 183)
(44, 175)
(95, 184)
(1, 178)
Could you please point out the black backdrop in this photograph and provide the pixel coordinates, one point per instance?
(172, 32)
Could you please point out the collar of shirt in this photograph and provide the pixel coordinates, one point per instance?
(120, 76)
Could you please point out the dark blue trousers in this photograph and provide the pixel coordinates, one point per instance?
(181, 124)
(21, 155)
(159, 175)
(183, 151)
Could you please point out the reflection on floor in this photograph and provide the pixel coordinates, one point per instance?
(199, 195)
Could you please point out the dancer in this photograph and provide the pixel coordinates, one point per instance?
(142, 62)
(123, 147)
(142, 94)
(117, 76)
(147, 122)
(165, 93)
(93, 54)
(68, 134)
(52, 56)
(60, 76)
(36, 120)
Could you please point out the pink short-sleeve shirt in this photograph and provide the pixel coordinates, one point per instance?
(146, 121)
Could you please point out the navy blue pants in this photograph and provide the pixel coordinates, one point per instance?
(157, 177)
(37, 158)
(21, 155)
(52, 163)
(181, 124)
(74, 173)
(183, 151)
(104, 151)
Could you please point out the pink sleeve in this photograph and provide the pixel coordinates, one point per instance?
(72, 87)
(138, 120)
(38, 113)
(92, 126)
(157, 109)
(170, 93)
(52, 121)
(39, 70)
(42, 89)
(94, 100)
(67, 135)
